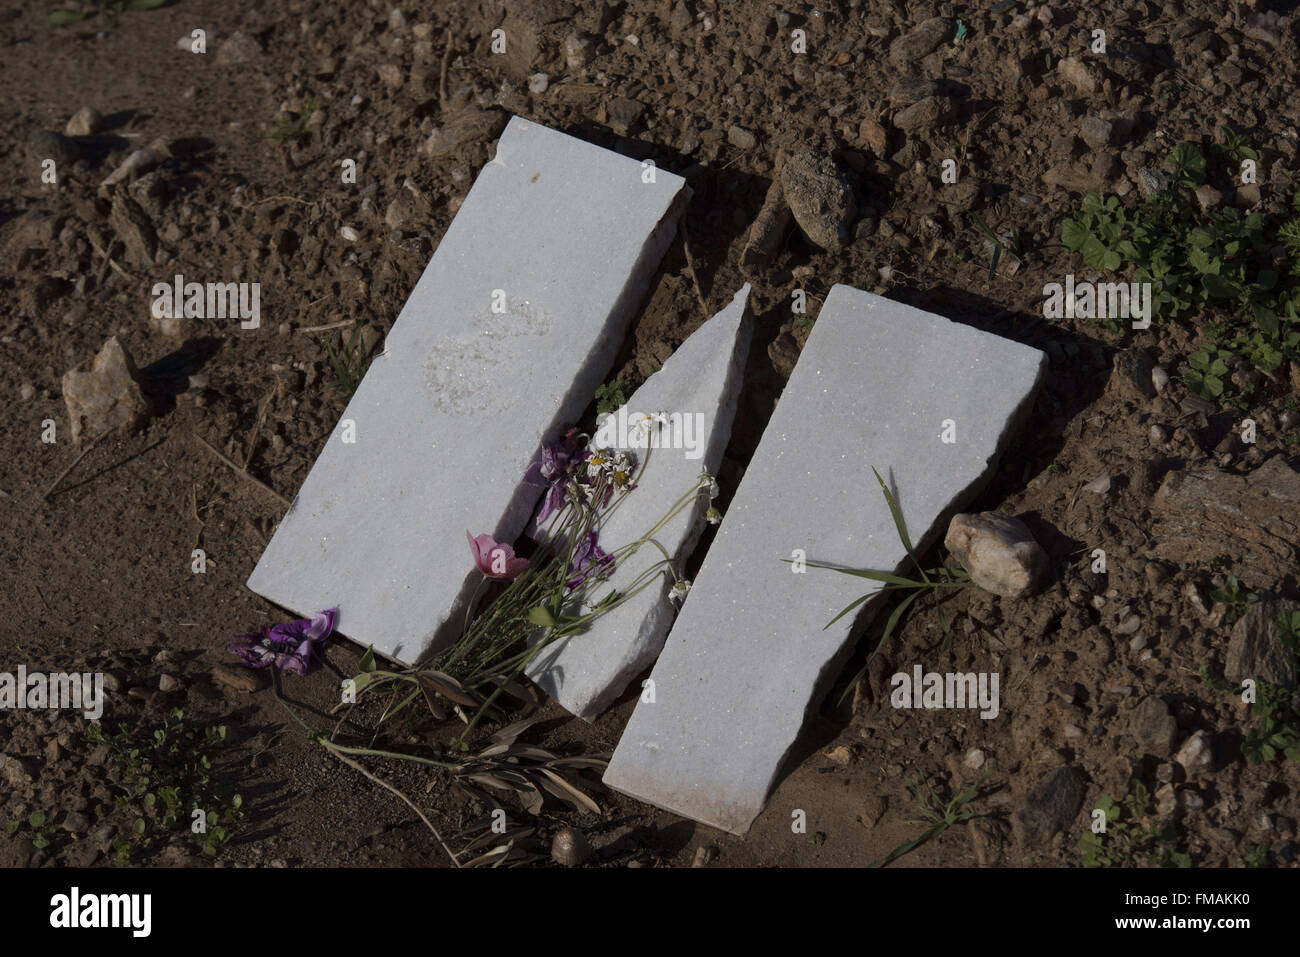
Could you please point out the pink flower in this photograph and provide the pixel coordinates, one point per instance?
(494, 559)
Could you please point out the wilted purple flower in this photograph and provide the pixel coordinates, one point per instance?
(551, 469)
(590, 561)
(551, 466)
(288, 647)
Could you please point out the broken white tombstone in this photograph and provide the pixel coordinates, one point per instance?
(879, 384)
(697, 389)
(513, 324)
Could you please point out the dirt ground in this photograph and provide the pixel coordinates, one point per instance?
(96, 564)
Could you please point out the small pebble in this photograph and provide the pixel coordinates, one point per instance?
(1099, 485)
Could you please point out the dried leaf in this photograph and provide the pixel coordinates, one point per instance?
(447, 686)
(567, 793)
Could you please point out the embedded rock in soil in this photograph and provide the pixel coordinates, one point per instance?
(1153, 727)
(134, 229)
(469, 125)
(1256, 650)
(1050, 807)
(769, 228)
(999, 552)
(920, 41)
(238, 48)
(820, 198)
(85, 122)
(1252, 519)
(570, 848)
(105, 392)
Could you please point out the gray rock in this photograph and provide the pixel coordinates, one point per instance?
(912, 89)
(1150, 182)
(1153, 727)
(820, 198)
(999, 552)
(469, 125)
(1195, 753)
(74, 822)
(105, 393)
(1080, 75)
(46, 144)
(769, 228)
(1256, 649)
(570, 848)
(1049, 808)
(134, 229)
(926, 114)
(1096, 132)
(920, 41)
(238, 48)
(622, 114)
(85, 122)
(15, 770)
(741, 138)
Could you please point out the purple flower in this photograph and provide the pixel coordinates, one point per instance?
(551, 469)
(288, 647)
(590, 561)
(551, 466)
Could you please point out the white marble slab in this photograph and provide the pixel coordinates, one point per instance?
(563, 236)
(748, 653)
(697, 390)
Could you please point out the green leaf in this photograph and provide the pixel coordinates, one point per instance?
(36, 819)
(1188, 160)
(1218, 287)
(541, 616)
(367, 662)
(60, 18)
(1074, 235)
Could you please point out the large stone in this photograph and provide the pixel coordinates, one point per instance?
(701, 380)
(134, 229)
(1256, 649)
(920, 41)
(1049, 808)
(563, 237)
(999, 552)
(874, 386)
(1153, 727)
(105, 393)
(1253, 520)
(819, 196)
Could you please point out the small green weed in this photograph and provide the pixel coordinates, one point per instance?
(349, 361)
(41, 834)
(1131, 838)
(287, 129)
(1235, 596)
(937, 813)
(106, 10)
(610, 396)
(166, 779)
(933, 581)
(1219, 262)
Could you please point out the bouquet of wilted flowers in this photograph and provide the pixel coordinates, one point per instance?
(552, 595)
